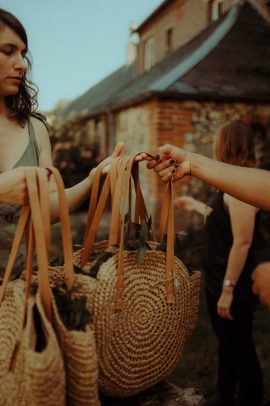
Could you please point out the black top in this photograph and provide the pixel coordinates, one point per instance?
(219, 240)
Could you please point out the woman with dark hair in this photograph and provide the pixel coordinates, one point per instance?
(22, 102)
(24, 139)
(231, 228)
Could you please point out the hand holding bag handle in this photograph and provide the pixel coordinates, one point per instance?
(158, 299)
(140, 209)
(124, 170)
(112, 183)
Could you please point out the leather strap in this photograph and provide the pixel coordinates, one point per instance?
(94, 194)
(40, 240)
(39, 234)
(65, 229)
(24, 216)
(170, 248)
(92, 232)
(126, 168)
(117, 202)
(91, 235)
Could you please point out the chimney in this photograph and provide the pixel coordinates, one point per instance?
(132, 49)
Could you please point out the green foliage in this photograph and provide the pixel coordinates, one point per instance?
(72, 307)
(72, 153)
(136, 237)
(100, 260)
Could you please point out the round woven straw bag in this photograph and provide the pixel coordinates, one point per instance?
(141, 344)
(142, 314)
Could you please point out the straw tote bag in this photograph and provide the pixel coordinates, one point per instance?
(78, 347)
(77, 344)
(31, 365)
(142, 313)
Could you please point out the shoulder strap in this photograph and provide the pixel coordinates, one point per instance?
(42, 118)
(33, 138)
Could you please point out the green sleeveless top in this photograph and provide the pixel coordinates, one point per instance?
(9, 213)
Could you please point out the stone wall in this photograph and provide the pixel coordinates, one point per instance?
(136, 128)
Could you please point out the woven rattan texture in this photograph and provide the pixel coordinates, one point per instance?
(36, 378)
(79, 351)
(141, 344)
(10, 322)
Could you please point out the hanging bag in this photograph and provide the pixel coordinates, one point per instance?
(79, 370)
(142, 312)
(31, 366)
(70, 293)
(78, 345)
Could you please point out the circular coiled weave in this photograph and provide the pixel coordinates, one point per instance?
(140, 345)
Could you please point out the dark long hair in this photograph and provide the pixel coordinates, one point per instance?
(235, 144)
(23, 103)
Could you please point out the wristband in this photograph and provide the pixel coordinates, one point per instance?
(228, 283)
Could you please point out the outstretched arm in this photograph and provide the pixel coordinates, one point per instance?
(246, 184)
(76, 195)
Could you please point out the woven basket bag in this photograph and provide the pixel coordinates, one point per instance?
(29, 375)
(143, 314)
(79, 370)
(78, 347)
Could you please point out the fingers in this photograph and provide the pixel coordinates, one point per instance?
(118, 149)
(166, 150)
(141, 157)
(152, 164)
(165, 167)
(224, 312)
(166, 170)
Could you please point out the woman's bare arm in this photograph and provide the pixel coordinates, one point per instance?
(242, 217)
(247, 184)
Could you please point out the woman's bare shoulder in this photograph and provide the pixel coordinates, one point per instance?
(40, 125)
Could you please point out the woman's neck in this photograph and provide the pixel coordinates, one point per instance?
(3, 107)
(5, 114)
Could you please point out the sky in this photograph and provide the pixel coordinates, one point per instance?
(76, 43)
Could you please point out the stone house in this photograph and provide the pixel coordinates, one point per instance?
(198, 64)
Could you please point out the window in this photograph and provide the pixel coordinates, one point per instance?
(216, 9)
(149, 53)
(169, 34)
